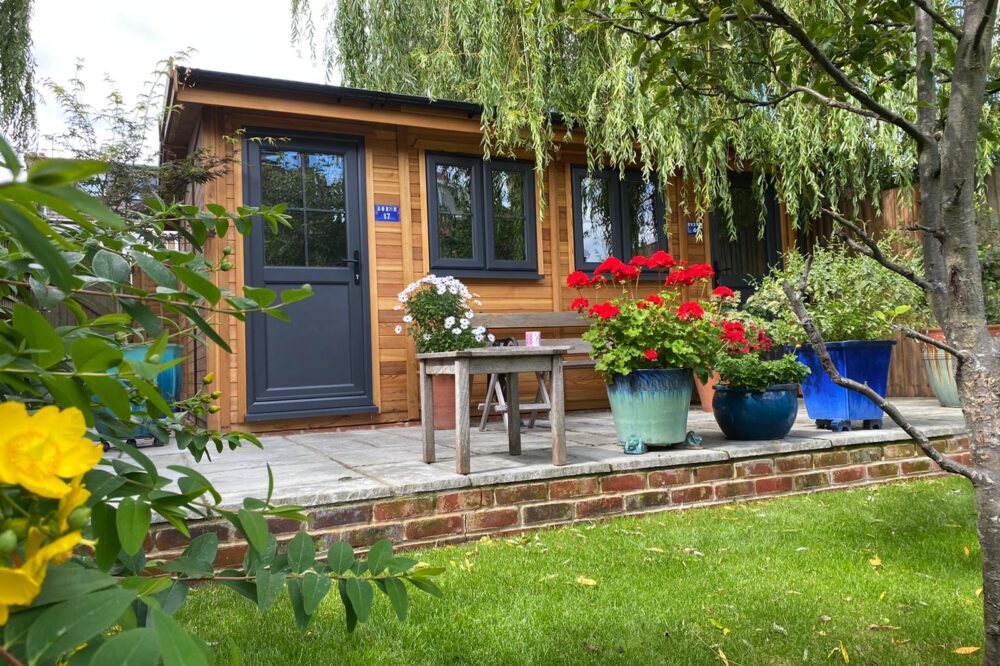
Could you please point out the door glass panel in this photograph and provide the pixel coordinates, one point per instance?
(508, 216)
(595, 213)
(742, 250)
(454, 205)
(324, 182)
(288, 246)
(327, 234)
(281, 178)
(643, 225)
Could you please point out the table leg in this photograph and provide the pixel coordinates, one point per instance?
(557, 415)
(462, 454)
(513, 414)
(427, 413)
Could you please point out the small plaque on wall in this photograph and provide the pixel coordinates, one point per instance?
(693, 227)
(386, 213)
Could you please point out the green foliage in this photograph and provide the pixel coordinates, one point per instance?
(438, 315)
(752, 372)
(989, 258)
(850, 297)
(17, 68)
(49, 262)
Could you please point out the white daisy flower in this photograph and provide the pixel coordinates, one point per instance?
(397, 308)
(427, 336)
(478, 302)
(479, 330)
(456, 331)
(408, 318)
(469, 314)
(449, 322)
(491, 337)
(464, 323)
(403, 297)
(399, 329)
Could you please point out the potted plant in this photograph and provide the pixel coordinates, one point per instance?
(855, 303)
(437, 314)
(724, 299)
(757, 397)
(647, 347)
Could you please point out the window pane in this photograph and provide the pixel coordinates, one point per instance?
(508, 216)
(281, 178)
(324, 182)
(595, 209)
(643, 225)
(327, 238)
(288, 246)
(454, 201)
(745, 253)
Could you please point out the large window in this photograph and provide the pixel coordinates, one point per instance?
(612, 215)
(482, 216)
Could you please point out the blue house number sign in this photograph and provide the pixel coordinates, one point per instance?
(386, 213)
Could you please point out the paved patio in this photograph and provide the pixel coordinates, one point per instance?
(320, 468)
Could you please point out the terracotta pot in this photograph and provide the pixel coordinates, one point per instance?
(444, 401)
(706, 391)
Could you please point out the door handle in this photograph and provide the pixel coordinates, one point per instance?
(356, 261)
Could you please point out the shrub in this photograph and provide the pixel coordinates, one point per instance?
(438, 315)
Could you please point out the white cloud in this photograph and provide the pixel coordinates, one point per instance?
(124, 39)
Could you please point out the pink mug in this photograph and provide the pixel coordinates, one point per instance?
(532, 338)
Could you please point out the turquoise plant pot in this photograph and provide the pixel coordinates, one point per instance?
(939, 366)
(651, 406)
(747, 415)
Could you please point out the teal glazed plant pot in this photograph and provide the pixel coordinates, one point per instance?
(746, 415)
(651, 405)
(939, 366)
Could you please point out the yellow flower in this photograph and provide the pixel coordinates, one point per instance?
(76, 497)
(20, 586)
(39, 450)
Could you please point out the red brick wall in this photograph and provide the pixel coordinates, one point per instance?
(452, 516)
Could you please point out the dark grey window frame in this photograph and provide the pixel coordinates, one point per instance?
(484, 262)
(621, 241)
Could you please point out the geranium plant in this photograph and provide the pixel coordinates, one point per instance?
(744, 360)
(629, 331)
(438, 315)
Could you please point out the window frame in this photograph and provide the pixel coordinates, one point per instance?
(620, 210)
(484, 262)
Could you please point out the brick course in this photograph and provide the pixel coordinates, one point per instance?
(452, 516)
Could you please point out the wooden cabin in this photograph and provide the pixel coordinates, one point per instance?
(383, 189)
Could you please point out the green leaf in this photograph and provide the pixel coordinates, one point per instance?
(177, 647)
(189, 566)
(340, 557)
(427, 586)
(302, 618)
(199, 284)
(142, 314)
(400, 600)
(289, 296)
(314, 588)
(269, 587)
(112, 267)
(135, 647)
(361, 594)
(152, 396)
(111, 320)
(301, 552)
(103, 522)
(111, 394)
(379, 556)
(94, 354)
(71, 623)
(153, 268)
(46, 295)
(203, 547)
(254, 528)
(263, 297)
(38, 335)
(349, 616)
(70, 581)
(133, 524)
(63, 172)
(36, 242)
(198, 476)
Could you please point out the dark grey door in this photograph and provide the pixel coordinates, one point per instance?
(319, 363)
(743, 256)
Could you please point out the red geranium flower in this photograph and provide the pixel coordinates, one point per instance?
(577, 280)
(626, 273)
(723, 292)
(580, 304)
(661, 259)
(690, 309)
(642, 305)
(609, 265)
(641, 261)
(654, 299)
(604, 310)
(651, 355)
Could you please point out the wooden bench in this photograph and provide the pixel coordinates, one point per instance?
(513, 325)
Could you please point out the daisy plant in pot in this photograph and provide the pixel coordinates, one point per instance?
(757, 394)
(438, 315)
(648, 346)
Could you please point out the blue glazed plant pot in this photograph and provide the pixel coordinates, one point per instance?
(651, 406)
(747, 415)
(865, 361)
(940, 370)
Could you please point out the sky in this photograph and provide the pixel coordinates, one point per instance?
(124, 40)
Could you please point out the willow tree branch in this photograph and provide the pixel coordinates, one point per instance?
(871, 249)
(819, 346)
(672, 25)
(934, 342)
(938, 18)
(798, 33)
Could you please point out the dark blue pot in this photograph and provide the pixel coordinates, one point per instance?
(865, 361)
(747, 415)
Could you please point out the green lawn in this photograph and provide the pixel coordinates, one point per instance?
(889, 573)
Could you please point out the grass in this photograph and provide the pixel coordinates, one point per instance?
(889, 573)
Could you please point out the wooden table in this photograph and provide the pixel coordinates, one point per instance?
(507, 361)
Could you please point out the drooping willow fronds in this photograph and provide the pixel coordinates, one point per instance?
(17, 67)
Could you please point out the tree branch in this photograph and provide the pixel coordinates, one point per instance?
(938, 18)
(819, 346)
(798, 33)
(9, 658)
(870, 248)
(988, 17)
(934, 342)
